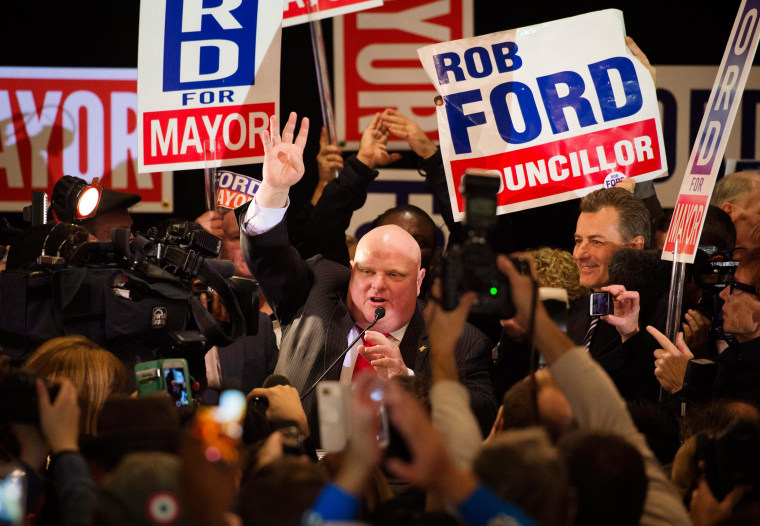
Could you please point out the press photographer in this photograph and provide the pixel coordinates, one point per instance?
(133, 294)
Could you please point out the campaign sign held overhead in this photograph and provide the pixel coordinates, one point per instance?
(206, 73)
(555, 109)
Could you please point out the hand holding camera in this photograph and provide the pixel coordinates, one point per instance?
(624, 315)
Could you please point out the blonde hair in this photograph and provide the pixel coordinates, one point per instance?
(95, 372)
(557, 268)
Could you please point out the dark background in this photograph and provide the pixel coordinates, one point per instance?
(103, 33)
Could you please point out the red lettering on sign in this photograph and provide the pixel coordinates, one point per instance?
(178, 135)
(570, 164)
(85, 127)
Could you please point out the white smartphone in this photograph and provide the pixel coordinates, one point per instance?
(333, 399)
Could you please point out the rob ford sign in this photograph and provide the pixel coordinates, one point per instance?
(556, 110)
(206, 73)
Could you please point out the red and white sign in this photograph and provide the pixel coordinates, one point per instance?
(556, 110)
(301, 11)
(704, 163)
(80, 122)
(234, 190)
(376, 63)
(204, 74)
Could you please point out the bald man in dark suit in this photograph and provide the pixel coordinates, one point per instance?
(322, 306)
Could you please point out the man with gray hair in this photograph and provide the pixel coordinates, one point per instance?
(609, 221)
(738, 194)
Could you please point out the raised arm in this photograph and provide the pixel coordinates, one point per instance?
(283, 275)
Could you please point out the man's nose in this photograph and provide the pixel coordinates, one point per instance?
(724, 294)
(378, 282)
(580, 250)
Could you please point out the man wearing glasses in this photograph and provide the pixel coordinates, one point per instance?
(738, 374)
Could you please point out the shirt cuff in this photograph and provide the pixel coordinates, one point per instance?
(259, 220)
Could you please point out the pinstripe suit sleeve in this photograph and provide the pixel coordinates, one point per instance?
(473, 356)
(284, 277)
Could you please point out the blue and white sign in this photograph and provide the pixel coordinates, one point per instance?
(206, 73)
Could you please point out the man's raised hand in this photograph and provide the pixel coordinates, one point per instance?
(283, 161)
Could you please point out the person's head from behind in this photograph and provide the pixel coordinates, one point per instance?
(280, 492)
(536, 400)
(385, 273)
(738, 194)
(608, 475)
(741, 307)
(418, 223)
(556, 268)
(609, 220)
(94, 371)
(524, 468)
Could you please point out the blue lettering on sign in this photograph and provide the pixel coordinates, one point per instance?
(459, 122)
(555, 104)
(600, 75)
(209, 44)
(504, 56)
(560, 92)
(504, 121)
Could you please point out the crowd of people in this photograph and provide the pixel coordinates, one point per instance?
(449, 416)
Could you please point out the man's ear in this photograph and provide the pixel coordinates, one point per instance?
(351, 264)
(420, 277)
(728, 207)
(637, 243)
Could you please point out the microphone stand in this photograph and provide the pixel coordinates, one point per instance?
(379, 313)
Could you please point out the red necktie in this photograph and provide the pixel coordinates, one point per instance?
(362, 364)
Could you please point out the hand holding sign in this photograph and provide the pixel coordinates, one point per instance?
(283, 161)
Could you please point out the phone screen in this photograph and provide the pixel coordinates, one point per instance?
(600, 304)
(176, 385)
(12, 498)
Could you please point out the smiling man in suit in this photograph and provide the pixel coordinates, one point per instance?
(322, 305)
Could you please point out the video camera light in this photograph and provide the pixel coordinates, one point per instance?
(74, 199)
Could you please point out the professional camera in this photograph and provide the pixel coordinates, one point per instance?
(134, 292)
(471, 266)
(19, 391)
(713, 271)
(732, 458)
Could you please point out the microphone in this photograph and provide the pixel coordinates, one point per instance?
(275, 379)
(379, 314)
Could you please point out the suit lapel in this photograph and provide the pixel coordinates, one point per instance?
(335, 338)
(415, 346)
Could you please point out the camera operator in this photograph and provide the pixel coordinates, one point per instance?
(738, 371)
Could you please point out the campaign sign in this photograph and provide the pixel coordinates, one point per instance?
(552, 108)
(234, 190)
(699, 180)
(301, 11)
(206, 73)
(72, 121)
(377, 67)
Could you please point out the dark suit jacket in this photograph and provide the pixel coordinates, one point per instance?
(308, 298)
(629, 364)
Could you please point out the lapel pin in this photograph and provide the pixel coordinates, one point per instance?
(422, 349)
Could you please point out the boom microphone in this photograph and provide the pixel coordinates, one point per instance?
(379, 314)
